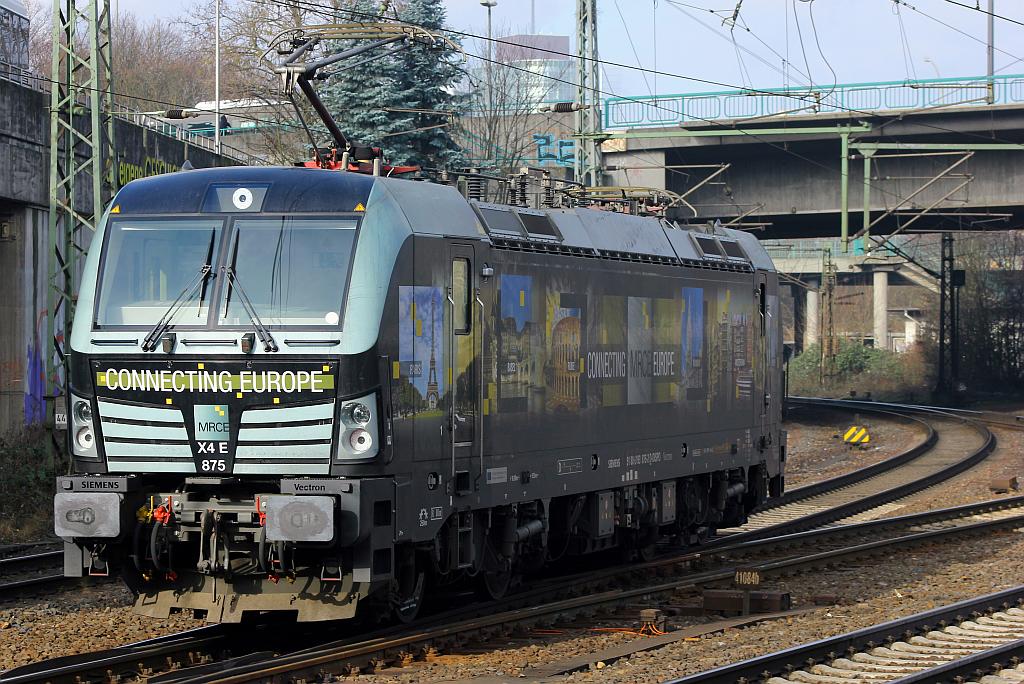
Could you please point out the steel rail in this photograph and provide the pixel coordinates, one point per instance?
(853, 477)
(156, 652)
(782, 662)
(880, 525)
(997, 418)
(879, 498)
(315, 662)
(15, 561)
(45, 561)
(17, 585)
(976, 665)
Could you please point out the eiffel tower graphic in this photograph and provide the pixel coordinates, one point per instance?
(433, 398)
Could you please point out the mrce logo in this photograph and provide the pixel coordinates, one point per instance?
(212, 432)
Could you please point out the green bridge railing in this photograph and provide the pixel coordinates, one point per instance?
(668, 110)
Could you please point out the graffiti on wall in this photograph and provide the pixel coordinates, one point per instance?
(151, 166)
(553, 151)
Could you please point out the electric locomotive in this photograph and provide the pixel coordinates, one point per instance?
(302, 390)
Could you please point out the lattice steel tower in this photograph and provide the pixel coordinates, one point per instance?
(588, 116)
(829, 342)
(82, 160)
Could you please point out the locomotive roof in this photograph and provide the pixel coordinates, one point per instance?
(435, 209)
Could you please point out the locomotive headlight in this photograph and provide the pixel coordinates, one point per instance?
(82, 429)
(83, 411)
(360, 441)
(358, 414)
(360, 424)
(84, 439)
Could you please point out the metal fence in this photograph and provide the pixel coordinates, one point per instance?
(814, 248)
(196, 138)
(10, 72)
(668, 110)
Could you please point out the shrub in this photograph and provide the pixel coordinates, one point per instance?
(861, 369)
(28, 468)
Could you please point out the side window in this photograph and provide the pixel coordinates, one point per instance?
(762, 303)
(461, 296)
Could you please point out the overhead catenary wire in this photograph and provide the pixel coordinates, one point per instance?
(166, 103)
(908, 58)
(323, 10)
(679, 7)
(750, 134)
(803, 49)
(817, 41)
(605, 63)
(977, 8)
(914, 8)
(632, 47)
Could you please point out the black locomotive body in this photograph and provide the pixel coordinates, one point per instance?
(424, 388)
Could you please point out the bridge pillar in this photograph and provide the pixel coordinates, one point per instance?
(812, 318)
(799, 318)
(880, 301)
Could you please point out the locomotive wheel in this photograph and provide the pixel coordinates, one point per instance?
(494, 584)
(407, 589)
(647, 552)
(496, 576)
(642, 546)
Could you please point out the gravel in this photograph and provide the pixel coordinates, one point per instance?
(76, 620)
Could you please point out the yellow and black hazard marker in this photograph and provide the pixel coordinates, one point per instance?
(857, 435)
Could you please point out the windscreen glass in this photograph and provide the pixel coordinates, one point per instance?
(293, 270)
(148, 263)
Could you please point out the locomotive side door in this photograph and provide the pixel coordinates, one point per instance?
(464, 331)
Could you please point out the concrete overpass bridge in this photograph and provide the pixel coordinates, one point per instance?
(894, 157)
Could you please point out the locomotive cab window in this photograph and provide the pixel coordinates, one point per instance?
(147, 263)
(293, 269)
(461, 296)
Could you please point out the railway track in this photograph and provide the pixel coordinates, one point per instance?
(952, 444)
(30, 571)
(962, 642)
(216, 654)
(340, 657)
(210, 656)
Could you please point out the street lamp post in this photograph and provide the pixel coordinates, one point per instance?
(216, 81)
(489, 4)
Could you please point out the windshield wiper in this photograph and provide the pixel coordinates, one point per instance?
(185, 296)
(262, 331)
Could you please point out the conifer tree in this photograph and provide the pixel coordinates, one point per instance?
(361, 92)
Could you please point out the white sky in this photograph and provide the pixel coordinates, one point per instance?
(861, 39)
